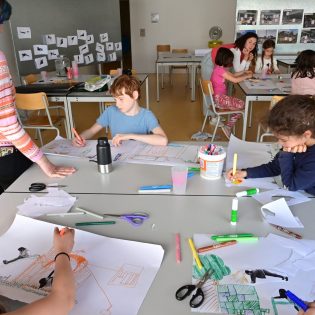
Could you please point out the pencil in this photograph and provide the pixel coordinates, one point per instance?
(284, 230)
(77, 135)
(194, 253)
(178, 249)
(234, 164)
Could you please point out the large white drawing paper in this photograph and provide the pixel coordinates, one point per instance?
(25, 55)
(55, 201)
(262, 183)
(260, 84)
(249, 275)
(277, 212)
(112, 276)
(24, 32)
(291, 197)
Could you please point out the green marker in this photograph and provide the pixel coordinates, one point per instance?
(239, 239)
(234, 216)
(249, 192)
(232, 236)
(194, 169)
(95, 223)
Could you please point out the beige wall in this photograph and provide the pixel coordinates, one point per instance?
(183, 24)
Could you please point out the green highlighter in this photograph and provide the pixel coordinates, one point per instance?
(95, 223)
(245, 237)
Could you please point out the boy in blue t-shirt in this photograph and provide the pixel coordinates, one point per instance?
(127, 120)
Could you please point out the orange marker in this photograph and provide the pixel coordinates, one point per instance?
(77, 135)
(215, 246)
(62, 231)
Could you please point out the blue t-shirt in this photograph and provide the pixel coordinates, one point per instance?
(142, 123)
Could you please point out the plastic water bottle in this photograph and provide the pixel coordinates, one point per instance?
(104, 156)
(61, 65)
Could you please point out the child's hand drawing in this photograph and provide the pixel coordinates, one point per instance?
(239, 175)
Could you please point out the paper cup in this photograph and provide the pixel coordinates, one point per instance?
(211, 166)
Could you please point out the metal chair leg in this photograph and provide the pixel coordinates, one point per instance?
(215, 128)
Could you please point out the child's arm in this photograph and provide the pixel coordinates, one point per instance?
(237, 78)
(86, 134)
(157, 138)
(310, 311)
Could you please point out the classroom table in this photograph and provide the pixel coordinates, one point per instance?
(168, 215)
(287, 63)
(125, 179)
(261, 95)
(74, 96)
(178, 59)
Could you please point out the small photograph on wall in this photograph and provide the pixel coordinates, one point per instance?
(270, 17)
(266, 34)
(247, 17)
(292, 16)
(287, 36)
(309, 20)
(307, 36)
(243, 32)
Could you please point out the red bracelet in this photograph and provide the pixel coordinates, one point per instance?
(62, 253)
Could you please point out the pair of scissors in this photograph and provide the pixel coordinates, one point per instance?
(41, 186)
(198, 297)
(135, 219)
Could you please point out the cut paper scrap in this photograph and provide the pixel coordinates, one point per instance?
(291, 197)
(277, 212)
(112, 284)
(55, 201)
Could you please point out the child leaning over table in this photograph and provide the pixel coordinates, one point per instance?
(127, 120)
(292, 121)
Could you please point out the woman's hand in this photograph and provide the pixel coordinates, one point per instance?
(52, 170)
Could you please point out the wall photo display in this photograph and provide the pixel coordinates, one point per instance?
(307, 36)
(270, 17)
(309, 20)
(247, 17)
(266, 34)
(287, 36)
(292, 16)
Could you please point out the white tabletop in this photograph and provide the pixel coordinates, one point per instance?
(169, 215)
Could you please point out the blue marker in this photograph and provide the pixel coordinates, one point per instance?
(297, 301)
(156, 187)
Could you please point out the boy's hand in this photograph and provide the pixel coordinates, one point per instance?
(310, 311)
(63, 240)
(296, 149)
(78, 142)
(117, 140)
(238, 175)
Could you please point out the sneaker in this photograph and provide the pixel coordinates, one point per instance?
(213, 122)
(227, 131)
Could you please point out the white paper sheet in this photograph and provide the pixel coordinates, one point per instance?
(25, 55)
(118, 46)
(79, 59)
(109, 46)
(112, 56)
(104, 37)
(277, 212)
(99, 48)
(82, 34)
(88, 59)
(83, 49)
(100, 57)
(55, 201)
(50, 39)
(72, 40)
(291, 197)
(40, 50)
(260, 84)
(90, 39)
(53, 54)
(261, 183)
(106, 284)
(267, 254)
(41, 62)
(24, 32)
(62, 42)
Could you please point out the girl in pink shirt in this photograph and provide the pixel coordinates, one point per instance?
(224, 60)
(303, 76)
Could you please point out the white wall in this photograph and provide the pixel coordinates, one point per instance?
(7, 47)
(183, 24)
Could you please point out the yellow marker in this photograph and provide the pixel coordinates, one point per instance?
(194, 253)
(234, 164)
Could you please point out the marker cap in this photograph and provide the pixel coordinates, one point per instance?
(249, 192)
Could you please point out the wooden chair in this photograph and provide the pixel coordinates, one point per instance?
(30, 78)
(266, 131)
(219, 113)
(161, 49)
(39, 118)
(179, 51)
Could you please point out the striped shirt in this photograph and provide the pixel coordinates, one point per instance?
(11, 132)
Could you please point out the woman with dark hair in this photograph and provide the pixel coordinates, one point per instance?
(303, 76)
(245, 52)
(17, 150)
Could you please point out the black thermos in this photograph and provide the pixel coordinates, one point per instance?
(104, 157)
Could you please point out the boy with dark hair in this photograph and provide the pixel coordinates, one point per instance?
(292, 121)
